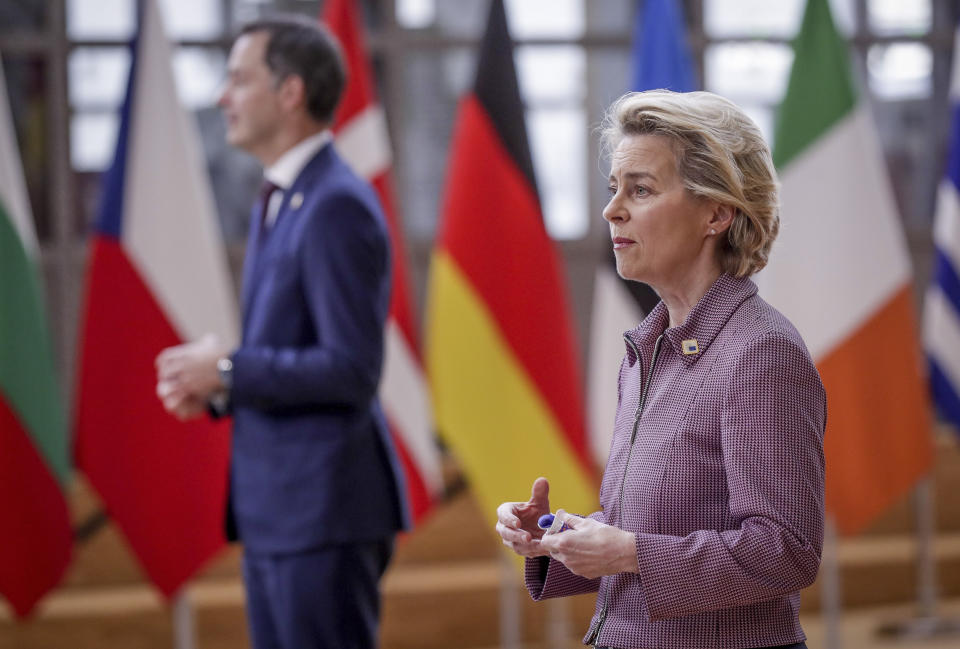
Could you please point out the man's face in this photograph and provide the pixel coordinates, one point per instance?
(250, 97)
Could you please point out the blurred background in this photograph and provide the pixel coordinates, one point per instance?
(66, 64)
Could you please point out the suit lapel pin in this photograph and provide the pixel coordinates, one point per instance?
(296, 200)
(690, 347)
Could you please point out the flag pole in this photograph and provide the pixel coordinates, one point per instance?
(557, 632)
(184, 623)
(831, 603)
(926, 623)
(511, 617)
(926, 563)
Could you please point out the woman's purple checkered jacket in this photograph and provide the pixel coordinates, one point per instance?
(723, 485)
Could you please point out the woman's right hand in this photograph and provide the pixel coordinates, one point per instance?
(517, 522)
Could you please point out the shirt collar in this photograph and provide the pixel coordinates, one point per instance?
(288, 166)
(703, 323)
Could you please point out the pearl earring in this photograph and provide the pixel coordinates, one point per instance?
(713, 231)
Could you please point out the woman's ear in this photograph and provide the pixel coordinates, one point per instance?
(721, 218)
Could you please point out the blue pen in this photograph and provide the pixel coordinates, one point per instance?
(546, 522)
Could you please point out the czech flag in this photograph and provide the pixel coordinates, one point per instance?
(157, 277)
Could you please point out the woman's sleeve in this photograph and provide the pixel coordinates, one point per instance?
(773, 419)
(546, 578)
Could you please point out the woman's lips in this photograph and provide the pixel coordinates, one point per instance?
(622, 242)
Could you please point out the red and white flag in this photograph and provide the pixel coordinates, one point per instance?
(360, 131)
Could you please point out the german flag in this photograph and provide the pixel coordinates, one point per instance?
(500, 344)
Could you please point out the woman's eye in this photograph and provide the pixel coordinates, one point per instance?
(641, 191)
(612, 189)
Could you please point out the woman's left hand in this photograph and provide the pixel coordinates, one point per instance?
(591, 549)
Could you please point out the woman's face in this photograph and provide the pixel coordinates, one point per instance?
(658, 230)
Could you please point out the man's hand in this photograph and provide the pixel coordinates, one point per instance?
(517, 521)
(181, 405)
(591, 549)
(187, 376)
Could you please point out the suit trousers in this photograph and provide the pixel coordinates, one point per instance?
(326, 598)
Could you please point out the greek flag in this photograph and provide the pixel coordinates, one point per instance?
(941, 317)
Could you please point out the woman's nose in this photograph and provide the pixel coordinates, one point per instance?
(614, 211)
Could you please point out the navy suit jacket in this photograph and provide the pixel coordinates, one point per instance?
(312, 462)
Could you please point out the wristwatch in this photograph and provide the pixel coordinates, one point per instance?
(225, 370)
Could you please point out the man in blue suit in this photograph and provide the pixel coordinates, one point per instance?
(314, 480)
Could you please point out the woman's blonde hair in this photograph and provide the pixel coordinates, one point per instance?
(721, 156)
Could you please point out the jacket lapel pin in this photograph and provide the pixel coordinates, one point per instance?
(690, 347)
(296, 200)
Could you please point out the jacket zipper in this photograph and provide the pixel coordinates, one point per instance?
(595, 630)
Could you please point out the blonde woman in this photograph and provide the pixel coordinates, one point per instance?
(712, 498)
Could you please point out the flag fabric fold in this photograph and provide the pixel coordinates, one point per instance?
(36, 539)
(840, 271)
(360, 131)
(941, 316)
(614, 311)
(157, 277)
(660, 54)
(501, 350)
(660, 59)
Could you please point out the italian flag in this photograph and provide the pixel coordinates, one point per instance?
(35, 536)
(500, 345)
(840, 271)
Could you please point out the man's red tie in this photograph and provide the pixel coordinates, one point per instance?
(266, 191)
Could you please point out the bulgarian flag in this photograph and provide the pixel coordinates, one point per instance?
(840, 271)
(35, 535)
(361, 138)
(501, 349)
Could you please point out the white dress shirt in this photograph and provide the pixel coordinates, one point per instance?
(288, 166)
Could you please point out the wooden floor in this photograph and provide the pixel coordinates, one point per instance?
(471, 624)
(444, 588)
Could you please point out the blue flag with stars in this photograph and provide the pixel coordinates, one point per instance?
(661, 58)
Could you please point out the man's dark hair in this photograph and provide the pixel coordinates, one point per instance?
(300, 46)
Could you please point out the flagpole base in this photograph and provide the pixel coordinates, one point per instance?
(921, 627)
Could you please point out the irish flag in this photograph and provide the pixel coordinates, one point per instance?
(157, 277)
(840, 271)
(500, 343)
(361, 138)
(35, 535)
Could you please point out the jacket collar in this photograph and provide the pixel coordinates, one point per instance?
(307, 181)
(284, 172)
(310, 179)
(312, 172)
(692, 338)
